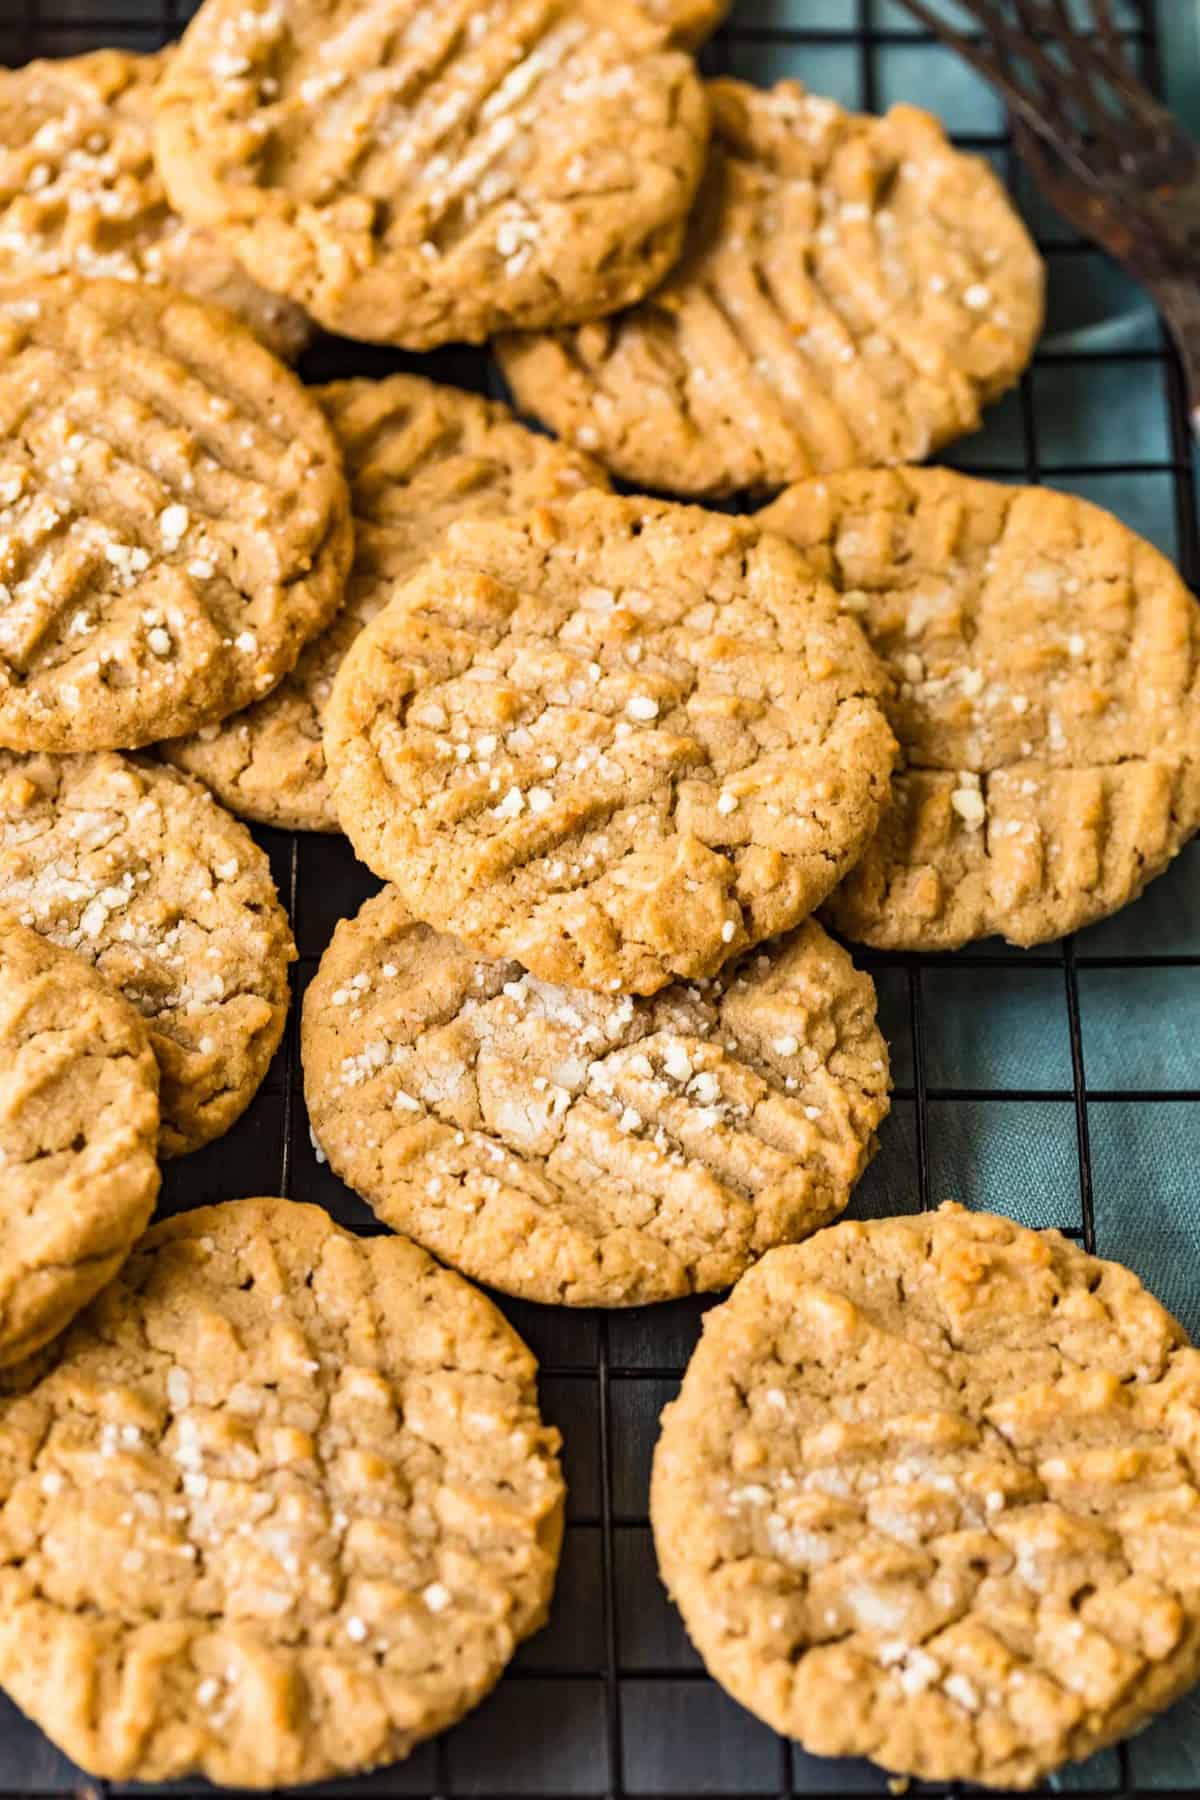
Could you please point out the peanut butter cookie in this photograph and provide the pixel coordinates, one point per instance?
(78, 1127)
(1047, 702)
(79, 192)
(617, 740)
(418, 456)
(437, 170)
(174, 523)
(583, 1151)
(929, 1494)
(140, 871)
(279, 1506)
(688, 21)
(853, 292)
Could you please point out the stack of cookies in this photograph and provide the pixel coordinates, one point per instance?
(276, 1502)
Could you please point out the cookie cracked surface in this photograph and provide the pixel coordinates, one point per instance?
(854, 290)
(437, 170)
(616, 740)
(572, 1148)
(78, 1128)
(81, 195)
(1047, 663)
(279, 1506)
(418, 456)
(174, 523)
(138, 869)
(929, 1493)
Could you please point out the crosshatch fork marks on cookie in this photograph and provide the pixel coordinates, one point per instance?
(174, 522)
(618, 740)
(583, 1148)
(439, 169)
(610, 1702)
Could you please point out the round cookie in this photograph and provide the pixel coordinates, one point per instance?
(418, 456)
(853, 292)
(174, 524)
(78, 1127)
(139, 870)
(928, 1496)
(428, 175)
(280, 1506)
(575, 1150)
(79, 192)
(1047, 703)
(617, 740)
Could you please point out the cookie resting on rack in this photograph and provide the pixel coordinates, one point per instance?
(688, 21)
(279, 1506)
(174, 522)
(854, 291)
(139, 870)
(1047, 662)
(78, 1129)
(436, 170)
(79, 192)
(616, 740)
(929, 1495)
(418, 456)
(575, 1149)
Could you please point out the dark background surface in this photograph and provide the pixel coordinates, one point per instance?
(1037, 1083)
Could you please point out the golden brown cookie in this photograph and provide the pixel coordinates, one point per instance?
(578, 1150)
(79, 192)
(1047, 702)
(929, 1495)
(688, 21)
(280, 1506)
(437, 170)
(174, 523)
(78, 1128)
(853, 292)
(418, 455)
(616, 740)
(139, 870)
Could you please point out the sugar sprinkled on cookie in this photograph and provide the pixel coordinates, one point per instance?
(139, 870)
(418, 456)
(78, 1130)
(853, 292)
(296, 1479)
(539, 739)
(174, 523)
(927, 1496)
(582, 1149)
(1047, 702)
(453, 171)
(82, 195)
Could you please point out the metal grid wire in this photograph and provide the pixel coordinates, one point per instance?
(611, 1700)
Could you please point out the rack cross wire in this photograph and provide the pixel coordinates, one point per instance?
(1022, 1079)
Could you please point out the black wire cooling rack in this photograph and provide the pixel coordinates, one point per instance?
(610, 1700)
